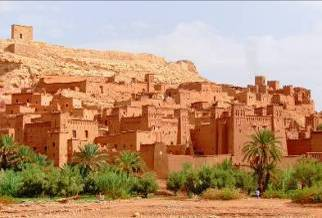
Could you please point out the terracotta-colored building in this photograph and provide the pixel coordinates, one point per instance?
(199, 119)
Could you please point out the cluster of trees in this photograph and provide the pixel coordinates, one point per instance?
(302, 182)
(25, 173)
(221, 176)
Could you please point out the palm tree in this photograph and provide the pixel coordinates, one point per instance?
(8, 153)
(262, 152)
(89, 158)
(25, 155)
(130, 162)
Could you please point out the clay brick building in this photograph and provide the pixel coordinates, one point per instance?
(58, 135)
(227, 131)
(191, 120)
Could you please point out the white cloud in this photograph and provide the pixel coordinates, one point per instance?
(292, 60)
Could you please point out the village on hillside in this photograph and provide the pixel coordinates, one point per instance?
(169, 124)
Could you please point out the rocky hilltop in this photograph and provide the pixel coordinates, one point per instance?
(22, 63)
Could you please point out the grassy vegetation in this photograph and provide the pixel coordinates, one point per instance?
(308, 195)
(220, 177)
(25, 175)
(301, 183)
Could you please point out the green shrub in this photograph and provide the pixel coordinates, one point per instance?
(221, 194)
(206, 175)
(90, 185)
(244, 181)
(308, 172)
(145, 185)
(196, 181)
(283, 180)
(70, 181)
(51, 180)
(270, 193)
(307, 195)
(218, 176)
(176, 181)
(193, 184)
(10, 183)
(223, 178)
(112, 183)
(34, 182)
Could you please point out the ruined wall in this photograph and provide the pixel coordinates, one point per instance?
(23, 49)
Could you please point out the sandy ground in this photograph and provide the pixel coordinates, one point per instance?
(164, 207)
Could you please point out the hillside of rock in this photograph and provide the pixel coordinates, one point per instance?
(23, 63)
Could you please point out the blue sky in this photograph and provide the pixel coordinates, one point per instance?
(230, 42)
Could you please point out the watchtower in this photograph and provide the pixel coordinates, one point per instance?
(20, 32)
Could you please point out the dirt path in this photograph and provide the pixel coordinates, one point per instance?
(164, 207)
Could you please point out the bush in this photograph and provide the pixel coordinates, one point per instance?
(51, 181)
(283, 180)
(193, 184)
(145, 185)
(244, 181)
(221, 194)
(112, 183)
(308, 172)
(34, 182)
(196, 181)
(223, 178)
(70, 181)
(307, 195)
(90, 185)
(176, 181)
(270, 193)
(10, 183)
